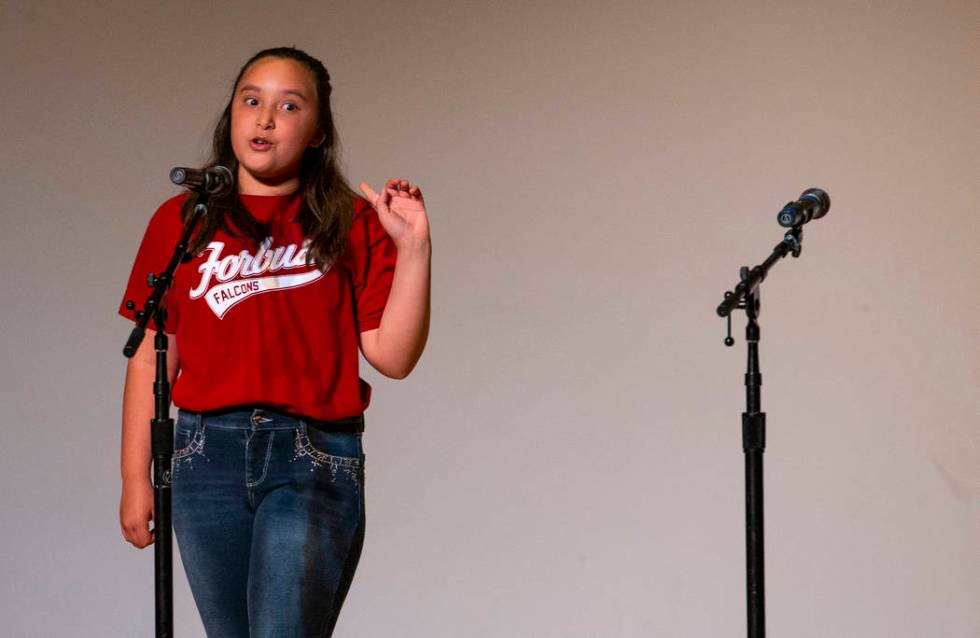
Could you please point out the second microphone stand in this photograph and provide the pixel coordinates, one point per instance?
(746, 297)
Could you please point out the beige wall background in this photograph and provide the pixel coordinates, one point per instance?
(566, 461)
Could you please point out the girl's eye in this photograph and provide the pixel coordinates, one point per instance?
(251, 101)
(289, 106)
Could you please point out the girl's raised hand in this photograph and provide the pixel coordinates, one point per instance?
(401, 210)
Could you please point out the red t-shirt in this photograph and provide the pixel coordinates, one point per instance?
(259, 326)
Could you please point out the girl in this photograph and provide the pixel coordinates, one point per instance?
(290, 274)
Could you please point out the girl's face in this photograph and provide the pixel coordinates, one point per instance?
(274, 119)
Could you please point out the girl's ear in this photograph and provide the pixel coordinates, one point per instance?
(317, 139)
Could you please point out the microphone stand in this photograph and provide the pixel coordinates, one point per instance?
(162, 426)
(746, 297)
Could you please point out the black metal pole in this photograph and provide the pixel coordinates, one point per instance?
(162, 447)
(753, 445)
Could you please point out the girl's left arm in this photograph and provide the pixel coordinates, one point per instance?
(394, 347)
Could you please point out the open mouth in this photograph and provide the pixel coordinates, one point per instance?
(261, 141)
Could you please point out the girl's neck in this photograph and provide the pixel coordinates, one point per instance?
(248, 184)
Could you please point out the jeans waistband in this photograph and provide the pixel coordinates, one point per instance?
(248, 418)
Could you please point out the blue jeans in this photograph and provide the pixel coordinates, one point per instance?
(268, 511)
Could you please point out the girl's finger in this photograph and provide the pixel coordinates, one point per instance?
(390, 189)
(384, 199)
(378, 201)
(369, 193)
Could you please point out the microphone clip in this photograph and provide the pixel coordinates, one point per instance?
(794, 239)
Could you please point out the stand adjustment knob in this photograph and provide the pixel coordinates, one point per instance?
(728, 337)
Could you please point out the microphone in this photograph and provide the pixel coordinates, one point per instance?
(214, 180)
(812, 204)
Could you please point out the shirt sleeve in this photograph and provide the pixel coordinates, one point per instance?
(159, 240)
(374, 255)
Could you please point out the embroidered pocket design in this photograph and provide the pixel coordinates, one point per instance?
(303, 447)
(186, 454)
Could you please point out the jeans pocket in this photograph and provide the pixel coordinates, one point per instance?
(340, 452)
(188, 436)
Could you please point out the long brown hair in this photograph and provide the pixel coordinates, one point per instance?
(326, 211)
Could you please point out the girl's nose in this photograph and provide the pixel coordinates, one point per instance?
(265, 121)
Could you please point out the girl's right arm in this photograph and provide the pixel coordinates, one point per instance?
(136, 503)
